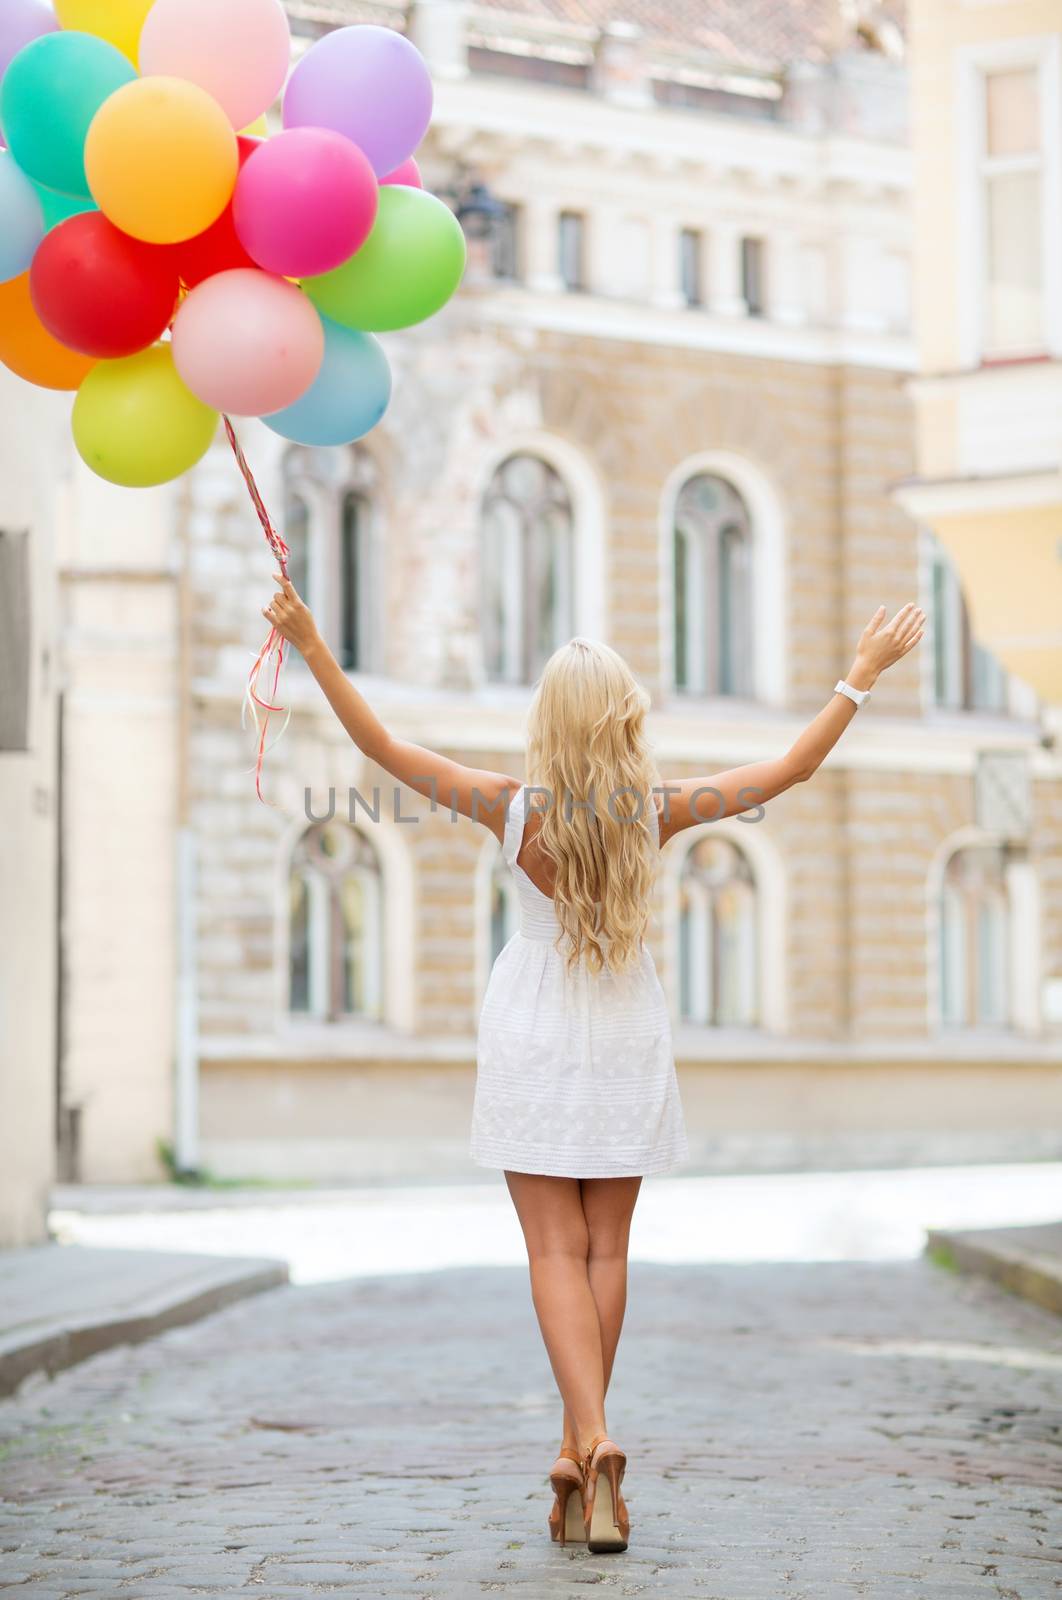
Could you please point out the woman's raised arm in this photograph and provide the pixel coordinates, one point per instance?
(690, 801)
(472, 791)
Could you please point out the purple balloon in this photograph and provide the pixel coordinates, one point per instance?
(22, 21)
(369, 84)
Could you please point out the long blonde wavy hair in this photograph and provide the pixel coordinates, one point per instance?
(586, 743)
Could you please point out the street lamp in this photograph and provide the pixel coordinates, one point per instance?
(479, 212)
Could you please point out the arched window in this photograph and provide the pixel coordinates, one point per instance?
(528, 568)
(504, 909)
(975, 939)
(329, 498)
(966, 676)
(717, 943)
(713, 589)
(335, 925)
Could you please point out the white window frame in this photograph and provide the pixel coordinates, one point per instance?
(770, 878)
(589, 539)
(973, 64)
(321, 950)
(1025, 954)
(768, 571)
(397, 960)
(931, 551)
(325, 501)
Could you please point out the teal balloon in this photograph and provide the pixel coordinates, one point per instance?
(49, 96)
(407, 269)
(57, 207)
(347, 398)
(21, 219)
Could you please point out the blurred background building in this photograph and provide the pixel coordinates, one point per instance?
(672, 407)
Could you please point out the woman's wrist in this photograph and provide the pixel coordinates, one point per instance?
(861, 675)
(313, 650)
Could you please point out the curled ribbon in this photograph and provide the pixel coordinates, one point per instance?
(274, 645)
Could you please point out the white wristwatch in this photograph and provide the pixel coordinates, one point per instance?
(857, 696)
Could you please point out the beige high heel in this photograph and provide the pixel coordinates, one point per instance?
(605, 1516)
(566, 1517)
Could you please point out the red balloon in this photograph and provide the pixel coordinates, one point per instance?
(218, 249)
(100, 292)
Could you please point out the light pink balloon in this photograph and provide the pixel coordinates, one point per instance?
(248, 343)
(237, 50)
(305, 202)
(407, 176)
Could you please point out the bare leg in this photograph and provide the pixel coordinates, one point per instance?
(608, 1206)
(558, 1247)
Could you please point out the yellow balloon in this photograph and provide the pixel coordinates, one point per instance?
(258, 129)
(118, 21)
(161, 159)
(135, 422)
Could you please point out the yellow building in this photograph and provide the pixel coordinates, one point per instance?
(987, 86)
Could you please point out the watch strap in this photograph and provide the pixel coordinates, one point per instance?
(857, 696)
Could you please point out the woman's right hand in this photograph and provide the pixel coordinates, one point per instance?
(882, 644)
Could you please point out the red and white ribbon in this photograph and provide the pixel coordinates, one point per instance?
(261, 710)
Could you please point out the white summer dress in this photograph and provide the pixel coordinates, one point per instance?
(575, 1070)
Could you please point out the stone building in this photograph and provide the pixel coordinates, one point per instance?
(668, 409)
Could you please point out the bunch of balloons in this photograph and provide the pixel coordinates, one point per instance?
(166, 259)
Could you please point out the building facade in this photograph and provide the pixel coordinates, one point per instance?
(669, 408)
(987, 82)
(30, 734)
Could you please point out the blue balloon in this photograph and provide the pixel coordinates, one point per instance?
(347, 398)
(21, 219)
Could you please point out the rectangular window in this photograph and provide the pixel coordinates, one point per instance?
(505, 245)
(966, 676)
(754, 277)
(354, 589)
(1012, 203)
(691, 266)
(14, 641)
(571, 249)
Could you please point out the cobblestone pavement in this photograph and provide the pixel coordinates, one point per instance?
(795, 1432)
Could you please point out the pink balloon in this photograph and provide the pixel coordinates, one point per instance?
(247, 343)
(407, 176)
(237, 50)
(305, 202)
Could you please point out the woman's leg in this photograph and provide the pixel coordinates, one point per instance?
(558, 1246)
(608, 1206)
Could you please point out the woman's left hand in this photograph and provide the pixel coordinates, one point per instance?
(290, 616)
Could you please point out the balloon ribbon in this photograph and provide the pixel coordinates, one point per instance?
(274, 645)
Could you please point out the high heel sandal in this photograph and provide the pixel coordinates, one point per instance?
(566, 1517)
(605, 1518)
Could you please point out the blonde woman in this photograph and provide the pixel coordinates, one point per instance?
(576, 1097)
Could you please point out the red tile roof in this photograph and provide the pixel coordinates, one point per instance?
(764, 33)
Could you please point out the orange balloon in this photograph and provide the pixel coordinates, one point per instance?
(28, 349)
(161, 159)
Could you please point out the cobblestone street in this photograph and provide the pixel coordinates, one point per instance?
(809, 1431)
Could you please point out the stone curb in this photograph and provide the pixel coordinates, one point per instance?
(1026, 1261)
(50, 1349)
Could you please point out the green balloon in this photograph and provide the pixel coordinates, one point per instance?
(406, 270)
(136, 424)
(57, 207)
(49, 96)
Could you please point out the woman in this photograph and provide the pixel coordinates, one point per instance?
(576, 1096)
